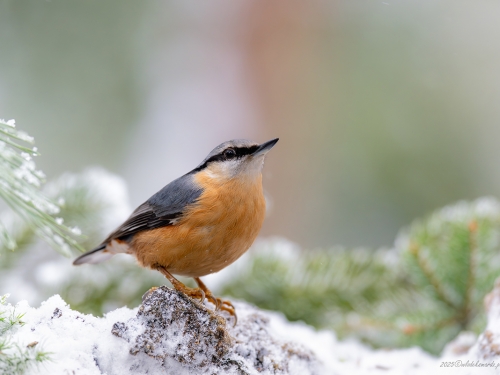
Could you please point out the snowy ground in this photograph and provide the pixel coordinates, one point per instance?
(85, 345)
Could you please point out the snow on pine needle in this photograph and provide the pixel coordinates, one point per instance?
(20, 184)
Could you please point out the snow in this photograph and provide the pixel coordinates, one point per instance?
(487, 207)
(261, 343)
(463, 211)
(11, 122)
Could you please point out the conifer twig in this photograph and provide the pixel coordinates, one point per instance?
(412, 329)
(20, 184)
(464, 318)
(424, 266)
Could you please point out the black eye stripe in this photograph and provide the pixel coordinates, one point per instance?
(240, 152)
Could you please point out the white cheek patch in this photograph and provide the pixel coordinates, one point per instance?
(229, 168)
(116, 247)
(236, 168)
(223, 169)
(254, 167)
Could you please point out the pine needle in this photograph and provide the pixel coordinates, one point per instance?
(20, 184)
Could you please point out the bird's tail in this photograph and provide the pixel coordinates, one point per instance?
(97, 255)
(104, 251)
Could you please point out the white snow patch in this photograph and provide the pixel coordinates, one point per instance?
(83, 344)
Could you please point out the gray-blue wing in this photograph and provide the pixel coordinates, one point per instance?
(162, 209)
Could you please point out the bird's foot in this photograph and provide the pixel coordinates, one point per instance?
(225, 305)
(200, 293)
(219, 304)
(196, 293)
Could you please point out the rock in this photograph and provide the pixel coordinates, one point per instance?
(487, 346)
(460, 345)
(182, 333)
(171, 325)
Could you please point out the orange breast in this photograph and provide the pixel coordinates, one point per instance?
(212, 233)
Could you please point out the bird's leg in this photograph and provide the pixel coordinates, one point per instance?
(219, 303)
(190, 292)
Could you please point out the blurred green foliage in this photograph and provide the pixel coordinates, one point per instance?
(423, 292)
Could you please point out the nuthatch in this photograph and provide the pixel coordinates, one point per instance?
(199, 223)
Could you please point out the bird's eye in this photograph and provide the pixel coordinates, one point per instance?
(229, 153)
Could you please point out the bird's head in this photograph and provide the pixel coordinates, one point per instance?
(238, 158)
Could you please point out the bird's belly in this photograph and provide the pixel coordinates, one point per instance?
(205, 251)
(210, 236)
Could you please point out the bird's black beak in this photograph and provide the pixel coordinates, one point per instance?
(265, 147)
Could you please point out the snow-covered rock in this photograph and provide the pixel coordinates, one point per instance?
(174, 329)
(172, 334)
(487, 347)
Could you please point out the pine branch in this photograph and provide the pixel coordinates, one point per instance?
(320, 287)
(20, 184)
(429, 274)
(471, 276)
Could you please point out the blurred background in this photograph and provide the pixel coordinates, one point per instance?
(385, 109)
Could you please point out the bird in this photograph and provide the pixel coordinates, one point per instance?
(199, 223)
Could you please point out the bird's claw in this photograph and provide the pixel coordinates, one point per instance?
(196, 293)
(227, 306)
(222, 305)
